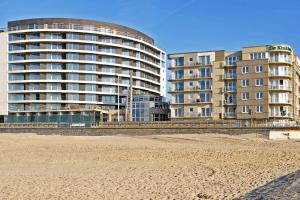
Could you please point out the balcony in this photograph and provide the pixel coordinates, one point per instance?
(189, 64)
(230, 76)
(280, 60)
(205, 115)
(283, 114)
(233, 63)
(195, 101)
(227, 102)
(188, 77)
(280, 101)
(229, 114)
(280, 74)
(229, 89)
(280, 87)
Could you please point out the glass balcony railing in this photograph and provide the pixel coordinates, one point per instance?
(230, 76)
(279, 87)
(281, 73)
(280, 101)
(281, 114)
(279, 60)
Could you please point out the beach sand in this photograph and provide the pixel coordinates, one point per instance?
(207, 166)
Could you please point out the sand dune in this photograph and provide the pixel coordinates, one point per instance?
(145, 167)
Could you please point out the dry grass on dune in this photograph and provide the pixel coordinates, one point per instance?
(144, 167)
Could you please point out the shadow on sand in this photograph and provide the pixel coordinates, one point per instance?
(284, 187)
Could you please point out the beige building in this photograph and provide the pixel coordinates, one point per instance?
(259, 82)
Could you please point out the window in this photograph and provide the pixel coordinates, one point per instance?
(245, 95)
(109, 99)
(179, 74)
(14, 37)
(13, 57)
(90, 77)
(14, 67)
(205, 112)
(191, 109)
(90, 97)
(259, 108)
(258, 68)
(245, 109)
(73, 46)
(245, 70)
(259, 82)
(90, 37)
(244, 83)
(33, 46)
(16, 77)
(53, 66)
(108, 50)
(15, 87)
(54, 56)
(34, 86)
(231, 60)
(73, 66)
(205, 72)
(53, 96)
(16, 97)
(191, 83)
(259, 95)
(73, 77)
(257, 56)
(109, 89)
(53, 76)
(73, 86)
(54, 46)
(179, 61)
(73, 36)
(33, 66)
(33, 36)
(205, 97)
(90, 87)
(108, 59)
(73, 97)
(34, 76)
(125, 62)
(89, 67)
(90, 47)
(127, 53)
(204, 85)
(53, 86)
(179, 112)
(90, 57)
(179, 98)
(179, 86)
(73, 56)
(190, 59)
(108, 79)
(16, 47)
(204, 60)
(108, 69)
(34, 56)
(54, 36)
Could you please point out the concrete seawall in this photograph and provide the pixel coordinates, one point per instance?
(129, 131)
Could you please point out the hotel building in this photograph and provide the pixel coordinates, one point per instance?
(53, 67)
(258, 82)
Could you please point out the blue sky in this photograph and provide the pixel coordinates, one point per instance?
(179, 25)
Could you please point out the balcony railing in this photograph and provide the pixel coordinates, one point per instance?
(281, 114)
(227, 102)
(279, 87)
(189, 64)
(280, 101)
(230, 76)
(274, 73)
(229, 114)
(280, 60)
(196, 76)
(205, 115)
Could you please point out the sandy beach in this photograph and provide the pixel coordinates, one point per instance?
(141, 167)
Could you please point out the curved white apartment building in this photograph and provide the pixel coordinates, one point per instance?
(57, 63)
